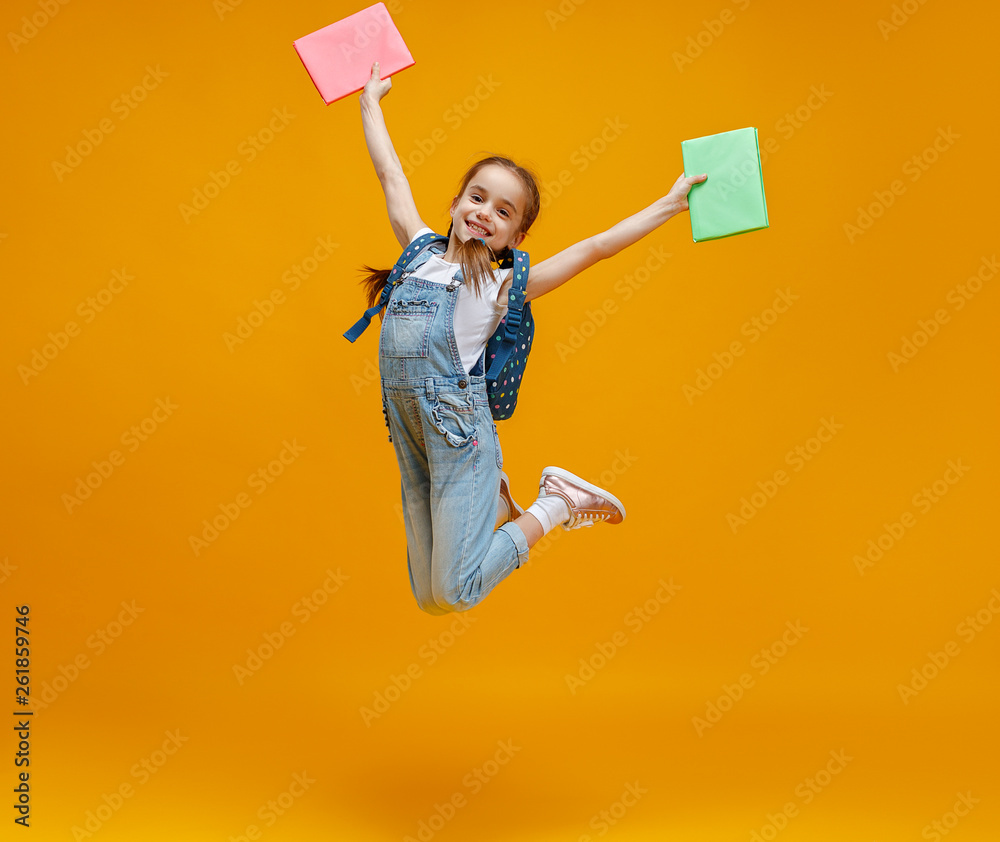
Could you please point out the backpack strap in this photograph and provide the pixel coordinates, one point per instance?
(408, 257)
(516, 306)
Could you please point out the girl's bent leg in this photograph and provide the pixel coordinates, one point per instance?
(469, 558)
(530, 528)
(462, 581)
(406, 427)
(419, 542)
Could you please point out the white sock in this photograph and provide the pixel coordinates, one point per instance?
(549, 510)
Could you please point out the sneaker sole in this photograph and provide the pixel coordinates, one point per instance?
(564, 474)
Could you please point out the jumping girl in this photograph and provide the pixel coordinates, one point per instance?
(464, 532)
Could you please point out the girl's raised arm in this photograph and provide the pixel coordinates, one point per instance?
(554, 271)
(403, 215)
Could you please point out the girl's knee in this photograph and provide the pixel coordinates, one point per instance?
(451, 600)
(426, 599)
(429, 606)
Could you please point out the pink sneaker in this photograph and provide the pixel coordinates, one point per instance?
(514, 511)
(587, 503)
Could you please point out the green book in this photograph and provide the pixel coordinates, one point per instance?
(731, 200)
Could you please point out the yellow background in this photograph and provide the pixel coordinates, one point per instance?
(603, 397)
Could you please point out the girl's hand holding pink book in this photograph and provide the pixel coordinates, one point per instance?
(376, 88)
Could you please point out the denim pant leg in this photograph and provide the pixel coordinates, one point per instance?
(451, 484)
(407, 430)
(468, 558)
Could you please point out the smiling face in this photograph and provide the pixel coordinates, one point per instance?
(491, 208)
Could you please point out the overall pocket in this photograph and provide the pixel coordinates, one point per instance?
(406, 328)
(455, 418)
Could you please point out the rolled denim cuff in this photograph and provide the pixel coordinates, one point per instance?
(520, 542)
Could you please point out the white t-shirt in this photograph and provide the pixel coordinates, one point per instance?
(476, 317)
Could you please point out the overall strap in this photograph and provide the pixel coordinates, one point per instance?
(515, 313)
(406, 258)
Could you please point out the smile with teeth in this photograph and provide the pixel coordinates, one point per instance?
(478, 229)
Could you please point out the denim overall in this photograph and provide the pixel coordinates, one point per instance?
(448, 452)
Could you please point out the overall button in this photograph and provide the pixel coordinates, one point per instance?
(462, 384)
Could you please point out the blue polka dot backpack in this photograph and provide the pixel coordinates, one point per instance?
(506, 351)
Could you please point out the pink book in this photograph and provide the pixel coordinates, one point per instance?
(339, 57)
